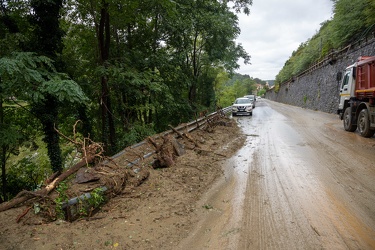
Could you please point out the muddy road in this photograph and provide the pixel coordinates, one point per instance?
(300, 182)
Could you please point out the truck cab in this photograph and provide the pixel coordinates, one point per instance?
(357, 97)
(347, 89)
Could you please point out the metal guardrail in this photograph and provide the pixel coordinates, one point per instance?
(184, 127)
(190, 126)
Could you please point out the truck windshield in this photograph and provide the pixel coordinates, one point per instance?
(346, 79)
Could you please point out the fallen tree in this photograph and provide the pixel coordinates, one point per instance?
(24, 195)
(90, 151)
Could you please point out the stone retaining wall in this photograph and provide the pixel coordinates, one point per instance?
(317, 88)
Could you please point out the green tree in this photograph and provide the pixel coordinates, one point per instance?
(31, 78)
(219, 87)
(369, 13)
(46, 39)
(237, 86)
(161, 54)
(351, 21)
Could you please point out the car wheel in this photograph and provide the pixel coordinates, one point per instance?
(364, 124)
(348, 123)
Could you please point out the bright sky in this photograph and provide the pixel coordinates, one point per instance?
(274, 29)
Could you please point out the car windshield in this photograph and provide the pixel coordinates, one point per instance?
(242, 101)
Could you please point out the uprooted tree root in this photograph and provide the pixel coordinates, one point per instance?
(89, 183)
(87, 147)
(171, 148)
(91, 153)
(97, 173)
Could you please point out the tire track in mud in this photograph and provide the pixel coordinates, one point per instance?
(345, 165)
(293, 186)
(274, 219)
(300, 193)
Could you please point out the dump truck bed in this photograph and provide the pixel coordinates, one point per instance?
(365, 77)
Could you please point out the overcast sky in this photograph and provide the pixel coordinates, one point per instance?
(274, 29)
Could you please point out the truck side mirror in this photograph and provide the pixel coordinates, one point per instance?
(339, 76)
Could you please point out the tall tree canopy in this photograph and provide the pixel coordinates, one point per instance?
(126, 68)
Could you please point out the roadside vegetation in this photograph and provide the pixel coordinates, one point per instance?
(352, 20)
(228, 89)
(124, 69)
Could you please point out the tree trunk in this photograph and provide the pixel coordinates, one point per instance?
(3, 173)
(47, 113)
(3, 155)
(86, 123)
(108, 127)
(195, 65)
(48, 41)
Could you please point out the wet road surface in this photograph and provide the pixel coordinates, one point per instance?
(299, 182)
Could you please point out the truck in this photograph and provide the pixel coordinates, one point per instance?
(357, 97)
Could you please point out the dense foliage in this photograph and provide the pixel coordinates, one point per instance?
(227, 90)
(352, 20)
(125, 68)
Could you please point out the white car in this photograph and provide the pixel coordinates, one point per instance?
(242, 106)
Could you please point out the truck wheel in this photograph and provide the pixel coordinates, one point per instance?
(348, 124)
(364, 124)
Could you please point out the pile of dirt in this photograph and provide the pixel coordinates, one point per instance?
(145, 207)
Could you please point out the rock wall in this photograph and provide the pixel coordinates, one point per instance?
(318, 88)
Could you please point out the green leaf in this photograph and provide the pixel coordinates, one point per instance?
(64, 90)
(8, 135)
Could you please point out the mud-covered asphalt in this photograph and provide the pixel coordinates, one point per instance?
(299, 182)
